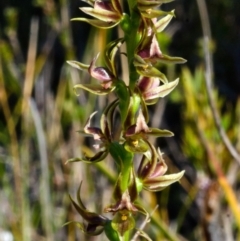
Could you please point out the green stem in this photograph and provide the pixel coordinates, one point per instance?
(130, 26)
(132, 4)
(126, 172)
(124, 160)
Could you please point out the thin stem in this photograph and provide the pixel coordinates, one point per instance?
(126, 172)
(208, 79)
(132, 39)
(132, 5)
(143, 225)
(124, 160)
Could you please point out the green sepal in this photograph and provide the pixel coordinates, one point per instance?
(161, 24)
(145, 4)
(97, 23)
(160, 133)
(151, 102)
(93, 88)
(78, 65)
(139, 62)
(96, 158)
(109, 54)
(145, 68)
(153, 13)
(141, 209)
(165, 59)
(152, 72)
(101, 14)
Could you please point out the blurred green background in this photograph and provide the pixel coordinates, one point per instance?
(40, 116)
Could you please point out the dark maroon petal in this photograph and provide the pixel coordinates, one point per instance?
(106, 5)
(93, 230)
(131, 130)
(99, 156)
(90, 217)
(144, 53)
(144, 83)
(96, 132)
(144, 167)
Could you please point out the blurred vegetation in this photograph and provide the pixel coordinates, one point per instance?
(40, 116)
